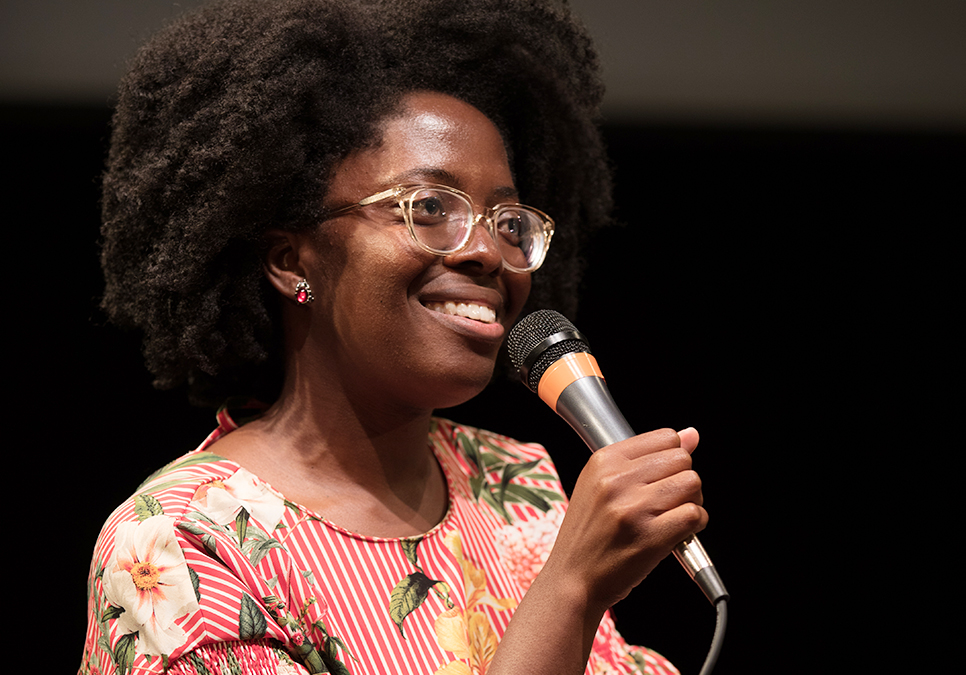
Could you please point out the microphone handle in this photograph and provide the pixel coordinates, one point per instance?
(587, 398)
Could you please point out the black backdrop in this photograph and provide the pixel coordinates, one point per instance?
(787, 291)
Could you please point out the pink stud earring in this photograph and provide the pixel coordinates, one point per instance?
(303, 293)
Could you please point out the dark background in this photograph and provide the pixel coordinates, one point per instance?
(789, 292)
(788, 284)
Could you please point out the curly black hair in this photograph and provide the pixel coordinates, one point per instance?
(230, 120)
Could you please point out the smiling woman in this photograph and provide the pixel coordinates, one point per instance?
(307, 206)
(374, 321)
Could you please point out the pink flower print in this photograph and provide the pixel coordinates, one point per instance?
(148, 577)
(525, 547)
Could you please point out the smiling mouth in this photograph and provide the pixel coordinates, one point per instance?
(467, 310)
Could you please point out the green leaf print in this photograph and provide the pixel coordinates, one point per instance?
(199, 664)
(190, 527)
(333, 643)
(241, 526)
(521, 493)
(477, 483)
(111, 612)
(146, 506)
(234, 667)
(310, 657)
(496, 449)
(335, 666)
(199, 458)
(490, 498)
(407, 596)
(472, 451)
(409, 548)
(124, 653)
(195, 583)
(308, 575)
(258, 549)
(488, 459)
(511, 471)
(251, 621)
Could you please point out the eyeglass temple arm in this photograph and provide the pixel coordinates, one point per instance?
(385, 194)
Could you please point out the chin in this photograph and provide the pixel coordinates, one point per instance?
(457, 389)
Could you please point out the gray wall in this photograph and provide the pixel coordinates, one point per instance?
(879, 63)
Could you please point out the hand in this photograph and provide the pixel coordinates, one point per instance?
(634, 501)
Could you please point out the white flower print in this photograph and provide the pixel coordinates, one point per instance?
(148, 577)
(223, 500)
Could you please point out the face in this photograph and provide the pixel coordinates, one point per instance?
(389, 319)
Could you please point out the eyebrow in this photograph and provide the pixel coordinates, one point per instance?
(444, 177)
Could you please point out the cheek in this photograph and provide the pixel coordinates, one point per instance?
(374, 282)
(518, 290)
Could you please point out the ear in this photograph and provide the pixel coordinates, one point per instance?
(282, 260)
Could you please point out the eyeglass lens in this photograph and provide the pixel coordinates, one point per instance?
(441, 221)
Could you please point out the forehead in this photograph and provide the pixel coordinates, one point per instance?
(432, 138)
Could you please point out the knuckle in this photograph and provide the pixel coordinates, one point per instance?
(690, 481)
(694, 516)
(610, 487)
(607, 486)
(669, 437)
(681, 458)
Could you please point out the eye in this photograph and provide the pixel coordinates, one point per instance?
(428, 207)
(514, 226)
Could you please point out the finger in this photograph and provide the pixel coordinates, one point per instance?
(689, 438)
(644, 444)
(660, 465)
(683, 521)
(671, 492)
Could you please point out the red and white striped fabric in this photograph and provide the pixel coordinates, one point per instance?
(207, 569)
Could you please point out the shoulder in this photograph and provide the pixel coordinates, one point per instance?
(470, 441)
(171, 489)
(196, 530)
(517, 481)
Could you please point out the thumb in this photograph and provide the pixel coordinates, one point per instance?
(689, 438)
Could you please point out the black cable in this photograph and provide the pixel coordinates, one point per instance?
(719, 630)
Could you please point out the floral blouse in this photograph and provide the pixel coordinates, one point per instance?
(208, 570)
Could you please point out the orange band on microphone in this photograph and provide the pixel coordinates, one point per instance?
(565, 371)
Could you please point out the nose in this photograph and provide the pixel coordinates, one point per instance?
(481, 251)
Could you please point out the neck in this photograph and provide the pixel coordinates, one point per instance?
(345, 444)
(331, 431)
(365, 466)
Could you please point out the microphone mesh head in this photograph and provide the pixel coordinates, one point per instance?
(527, 336)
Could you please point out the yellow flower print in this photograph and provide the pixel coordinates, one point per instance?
(470, 635)
(450, 629)
(454, 668)
(483, 641)
(474, 579)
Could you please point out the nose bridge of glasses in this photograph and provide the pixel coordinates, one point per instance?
(484, 218)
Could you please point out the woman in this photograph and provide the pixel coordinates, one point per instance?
(322, 204)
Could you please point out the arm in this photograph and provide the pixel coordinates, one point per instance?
(634, 501)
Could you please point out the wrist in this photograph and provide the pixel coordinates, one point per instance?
(572, 593)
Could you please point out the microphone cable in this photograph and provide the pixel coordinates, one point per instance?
(721, 622)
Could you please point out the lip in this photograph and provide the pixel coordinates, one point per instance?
(474, 295)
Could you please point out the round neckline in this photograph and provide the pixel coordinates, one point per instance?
(447, 515)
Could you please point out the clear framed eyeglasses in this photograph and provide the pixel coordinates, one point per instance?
(441, 221)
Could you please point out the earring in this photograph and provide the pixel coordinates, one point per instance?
(303, 293)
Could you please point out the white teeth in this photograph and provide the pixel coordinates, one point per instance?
(464, 309)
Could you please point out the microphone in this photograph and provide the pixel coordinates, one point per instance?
(555, 362)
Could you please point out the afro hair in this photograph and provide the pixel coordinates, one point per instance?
(230, 120)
